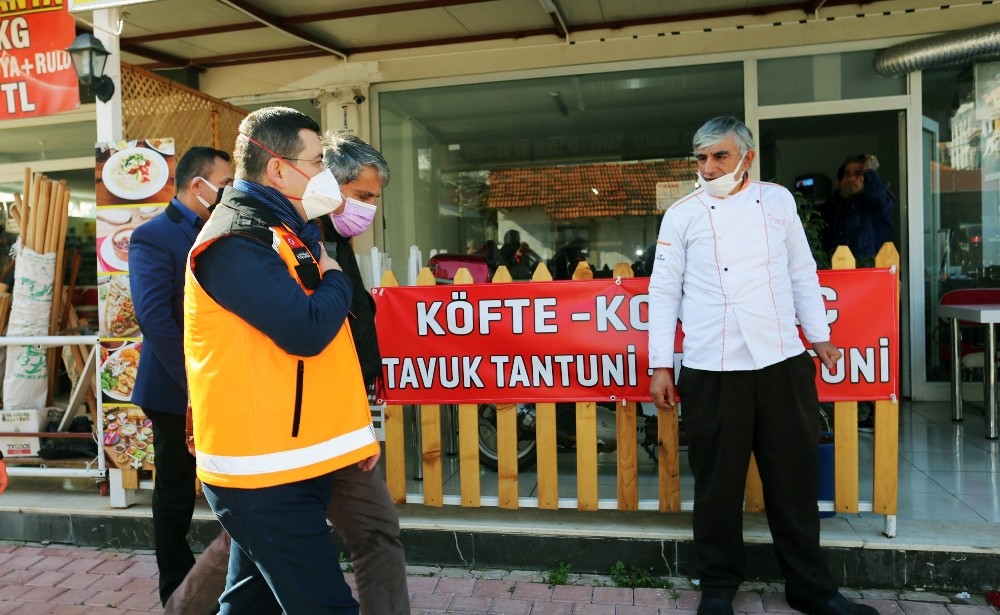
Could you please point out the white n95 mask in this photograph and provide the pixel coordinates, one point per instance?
(322, 195)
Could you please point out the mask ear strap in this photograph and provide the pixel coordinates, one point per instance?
(270, 151)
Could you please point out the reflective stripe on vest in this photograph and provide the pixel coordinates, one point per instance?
(248, 465)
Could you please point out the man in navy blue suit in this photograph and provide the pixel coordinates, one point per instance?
(157, 258)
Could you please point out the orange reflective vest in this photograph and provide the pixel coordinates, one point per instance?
(263, 417)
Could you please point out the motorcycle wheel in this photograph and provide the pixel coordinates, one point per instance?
(526, 444)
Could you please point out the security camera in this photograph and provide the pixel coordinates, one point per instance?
(358, 99)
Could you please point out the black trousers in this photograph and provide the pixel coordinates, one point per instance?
(173, 500)
(773, 412)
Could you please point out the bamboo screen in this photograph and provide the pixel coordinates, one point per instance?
(154, 106)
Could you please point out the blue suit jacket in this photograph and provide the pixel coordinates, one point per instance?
(157, 258)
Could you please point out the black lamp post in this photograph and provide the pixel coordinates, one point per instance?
(89, 57)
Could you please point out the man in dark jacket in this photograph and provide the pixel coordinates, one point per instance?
(859, 213)
(157, 258)
(370, 532)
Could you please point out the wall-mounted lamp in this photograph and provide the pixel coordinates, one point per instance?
(89, 57)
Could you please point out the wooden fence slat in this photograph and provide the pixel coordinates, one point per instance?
(845, 426)
(547, 449)
(506, 434)
(886, 473)
(885, 495)
(753, 494)
(468, 454)
(845, 454)
(430, 434)
(395, 439)
(586, 455)
(628, 468)
(668, 456)
(395, 454)
(507, 454)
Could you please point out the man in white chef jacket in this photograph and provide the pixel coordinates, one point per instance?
(733, 262)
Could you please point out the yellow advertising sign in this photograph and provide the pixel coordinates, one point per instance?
(11, 8)
(75, 6)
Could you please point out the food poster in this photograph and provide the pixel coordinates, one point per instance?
(134, 183)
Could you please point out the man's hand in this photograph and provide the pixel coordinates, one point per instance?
(3, 475)
(828, 354)
(326, 263)
(871, 162)
(369, 464)
(661, 387)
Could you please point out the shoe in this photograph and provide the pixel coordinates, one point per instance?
(715, 606)
(839, 605)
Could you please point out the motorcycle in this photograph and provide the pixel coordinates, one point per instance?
(527, 446)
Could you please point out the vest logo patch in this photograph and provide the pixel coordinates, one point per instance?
(302, 255)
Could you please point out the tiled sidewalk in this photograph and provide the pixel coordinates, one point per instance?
(59, 580)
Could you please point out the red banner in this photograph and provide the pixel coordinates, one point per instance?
(36, 74)
(587, 340)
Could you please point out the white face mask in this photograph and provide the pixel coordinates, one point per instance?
(218, 195)
(322, 195)
(724, 184)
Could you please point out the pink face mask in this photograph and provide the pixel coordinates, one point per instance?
(355, 219)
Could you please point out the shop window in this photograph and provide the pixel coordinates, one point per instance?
(816, 78)
(961, 147)
(554, 169)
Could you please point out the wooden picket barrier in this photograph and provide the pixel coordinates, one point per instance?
(847, 498)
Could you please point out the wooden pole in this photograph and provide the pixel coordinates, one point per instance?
(39, 217)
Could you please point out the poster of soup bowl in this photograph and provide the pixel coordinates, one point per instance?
(115, 225)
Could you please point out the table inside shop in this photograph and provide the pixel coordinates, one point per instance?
(987, 315)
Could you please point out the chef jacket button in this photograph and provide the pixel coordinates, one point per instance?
(725, 268)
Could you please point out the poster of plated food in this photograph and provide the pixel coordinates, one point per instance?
(134, 182)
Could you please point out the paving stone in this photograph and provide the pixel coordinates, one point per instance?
(613, 595)
(48, 579)
(458, 587)
(434, 601)
(968, 609)
(645, 596)
(594, 609)
(110, 599)
(470, 604)
(421, 584)
(551, 608)
(748, 602)
(625, 609)
(493, 588)
(531, 591)
(421, 571)
(572, 593)
(509, 606)
(27, 608)
(923, 608)
(73, 596)
(879, 594)
(80, 580)
(924, 597)
(776, 603)
(884, 607)
(688, 599)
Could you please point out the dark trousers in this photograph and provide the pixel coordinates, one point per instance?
(282, 558)
(773, 412)
(362, 512)
(173, 500)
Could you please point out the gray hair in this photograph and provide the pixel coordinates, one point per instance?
(718, 128)
(347, 155)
